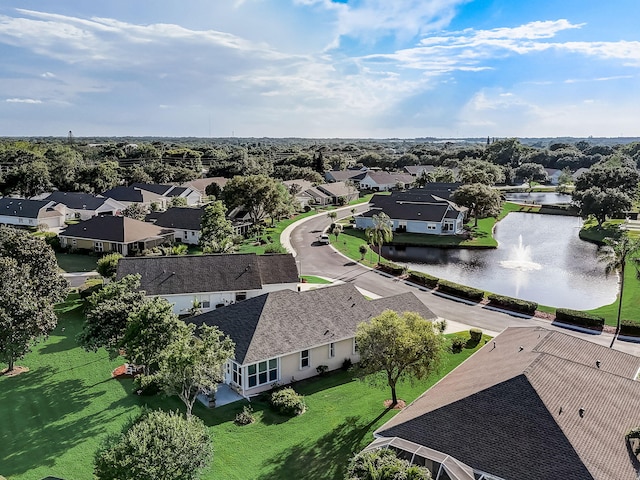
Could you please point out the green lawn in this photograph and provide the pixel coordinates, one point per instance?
(630, 310)
(56, 415)
(314, 279)
(73, 262)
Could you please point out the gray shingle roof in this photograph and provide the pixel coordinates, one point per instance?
(21, 207)
(285, 321)
(514, 412)
(77, 200)
(153, 187)
(180, 217)
(182, 274)
(337, 189)
(124, 194)
(114, 229)
(387, 178)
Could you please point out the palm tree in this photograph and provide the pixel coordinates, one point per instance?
(616, 253)
(380, 232)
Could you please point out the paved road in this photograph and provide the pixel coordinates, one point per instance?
(323, 260)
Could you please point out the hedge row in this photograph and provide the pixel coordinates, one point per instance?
(424, 279)
(392, 268)
(579, 318)
(458, 290)
(513, 303)
(628, 327)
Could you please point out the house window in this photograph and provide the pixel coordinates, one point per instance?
(355, 346)
(74, 242)
(205, 304)
(262, 373)
(98, 246)
(240, 296)
(431, 226)
(332, 350)
(237, 373)
(304, 359)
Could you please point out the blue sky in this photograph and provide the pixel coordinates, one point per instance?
(320, 68)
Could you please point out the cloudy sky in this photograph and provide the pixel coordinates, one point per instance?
(320, 68)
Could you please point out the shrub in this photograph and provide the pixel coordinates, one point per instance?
(458, 290)
(579, 318)
(245, 417)
(513, 303)
(274, 248)
(392, 268)
(457, 344)
(288, 402)
(347, 364)
(322, 369)
(85, 291)
(475, 335)
(629, 327)
(424, 279)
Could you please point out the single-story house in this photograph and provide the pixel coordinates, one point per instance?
(200, 184)
(211, 280)
(385, 181)
(147, 194)
(416, 212)
(417, 170)
(343, 175)
(186, 223)
(337, 193)
(83, 206)
(284, 336)
(532, 404)
(31, 213)
(170, 192)
(115, 234)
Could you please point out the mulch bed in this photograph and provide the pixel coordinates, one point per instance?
(17, 370)
(398, 406)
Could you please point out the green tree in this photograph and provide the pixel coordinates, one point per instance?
(104, 176)
(481, 200)
(332, 215)
(178, 202)
(149, 331)
(531, 172)
(443, 174)
(394, 346)
(158, 446)
(193, 363)
(213, 190)
(259, 194)
(363, 249)
(602, 203)
(480, 171)
(216, 232)
(504, 152)
(135, 211)
(108, 265)
(384, 464)
(107, 312)
(29, 179)
(337, 230)
(380, 232)
(616, 254)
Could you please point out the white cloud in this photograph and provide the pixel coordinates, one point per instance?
(23, 100)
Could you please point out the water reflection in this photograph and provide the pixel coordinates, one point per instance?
(569, 274)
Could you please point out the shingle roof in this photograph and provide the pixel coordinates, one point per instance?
(387, 178)
(513, 410)
(153, 187)
(426, 212)
(124, 194)
(180, 217)
(21, 207)
(416, 170)
(337, 189)
(209, 273)
(201, 184)
(114, 229)
(342, 175)
(78, 201)
(285, 321)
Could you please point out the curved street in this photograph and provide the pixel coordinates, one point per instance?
(323, 260)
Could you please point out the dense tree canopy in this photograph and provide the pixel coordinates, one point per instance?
(481, 200)
(216, 232)
(398, 346)
(258, 194)
(480, 171)
(158, 446)
(384, 464)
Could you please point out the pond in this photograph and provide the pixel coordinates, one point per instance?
(539, 258)
(547, 198)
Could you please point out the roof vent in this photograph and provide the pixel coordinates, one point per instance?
(521, 348)
(581, 412)
(598, 363)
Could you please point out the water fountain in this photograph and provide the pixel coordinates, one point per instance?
(520, 258)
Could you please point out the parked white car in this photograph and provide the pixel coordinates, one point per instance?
(324, 239)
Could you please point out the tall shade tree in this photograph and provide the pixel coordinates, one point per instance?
(193, 363)
(481, 200)
(158, 446)
(384, 464)
(30, 287)
(394, 346)
(259, 194)
(216, 232)
(480, 171)
(530, 173)
(29, 179)
(616, 254)
(107, 265)
(135, 211)
(107, 312)
(380, 232)
(149, 331)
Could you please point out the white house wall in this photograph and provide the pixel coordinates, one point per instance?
(192, 237)
(414, 226)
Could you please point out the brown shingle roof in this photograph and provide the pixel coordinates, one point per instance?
(285, 321)
(114, 229)
(523, 405)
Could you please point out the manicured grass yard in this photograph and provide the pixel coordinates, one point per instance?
(56, 415)
(73, 262)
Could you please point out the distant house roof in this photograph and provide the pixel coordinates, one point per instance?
(532, 404)
(201, 184)
(184, 218)
(162, 190)
(343, 175)
(337, 189)
(579, 172)
(182, 274)
(416, 170)
(124, 194)
(387, 178)
(77, 200)
(285, 321)
(115, 229)
(302, 183)
(440, 189)
(317, 193)
(21, 207)
(414, 205)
